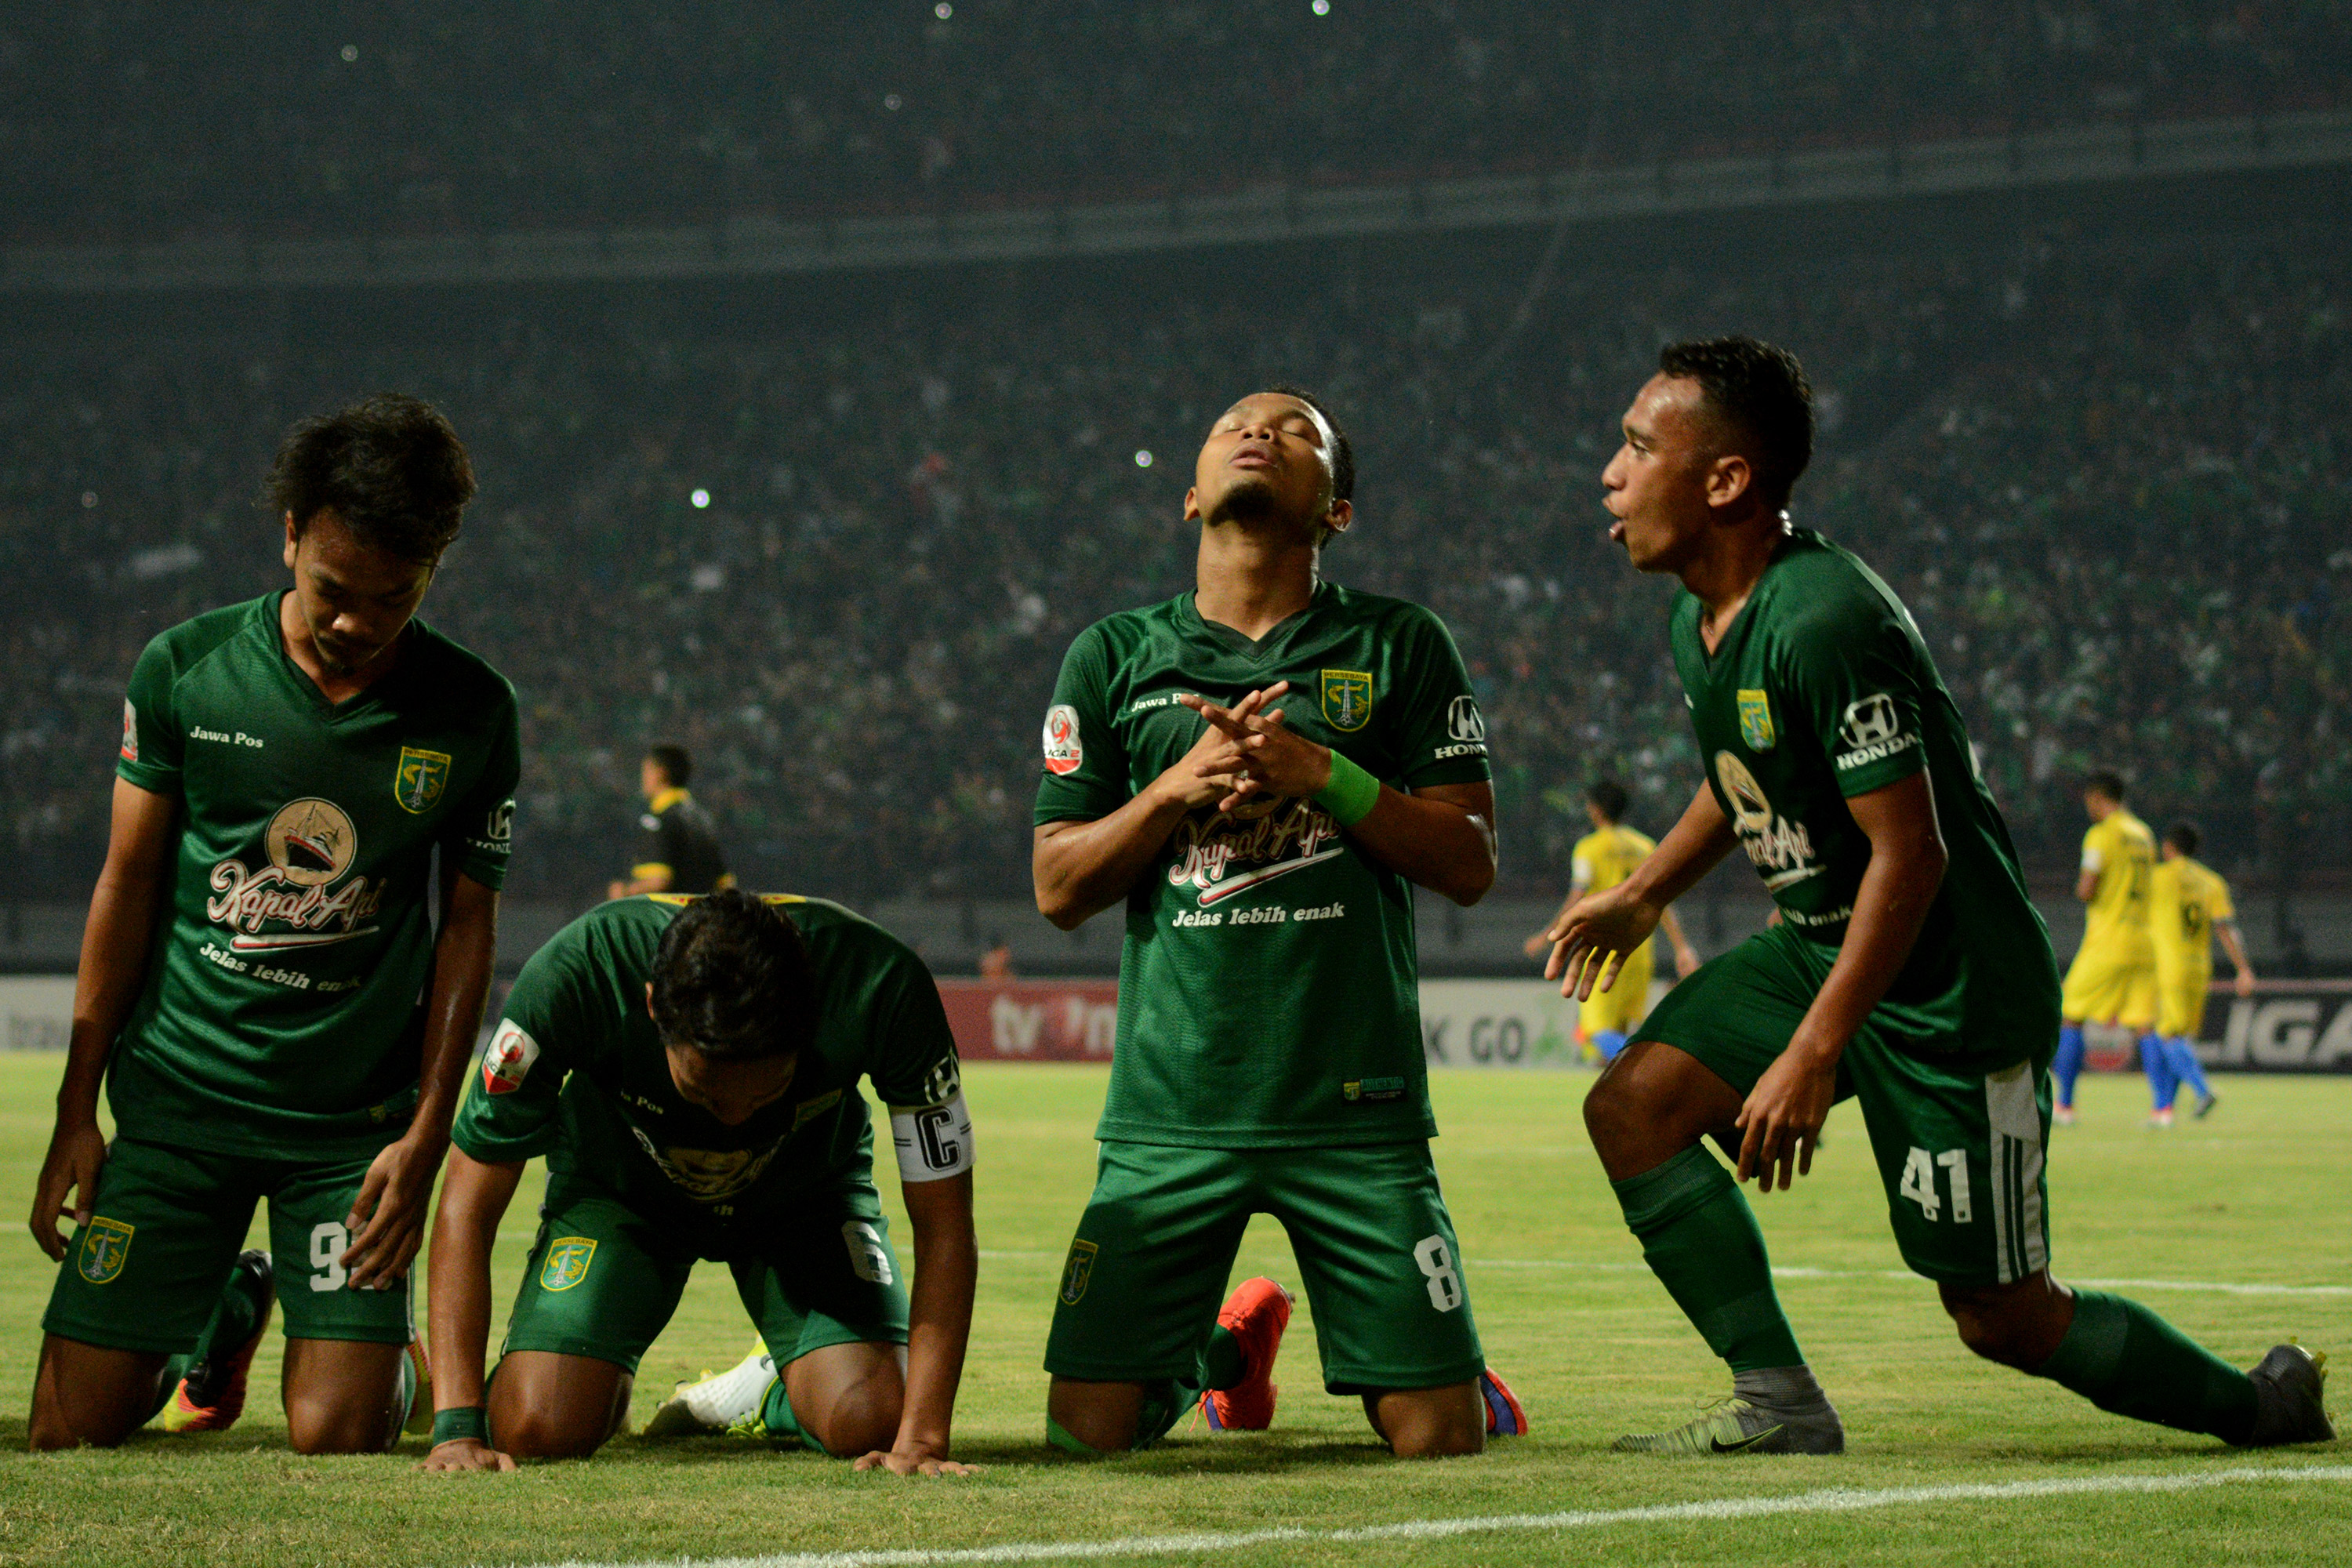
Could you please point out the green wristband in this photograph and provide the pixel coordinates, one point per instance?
(1351, 794)
(465, 1421)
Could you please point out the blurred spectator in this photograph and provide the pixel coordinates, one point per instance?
(678, 844)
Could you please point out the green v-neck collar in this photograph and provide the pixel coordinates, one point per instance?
(1256, 651)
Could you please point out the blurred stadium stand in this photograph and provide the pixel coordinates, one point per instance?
(2073, 285)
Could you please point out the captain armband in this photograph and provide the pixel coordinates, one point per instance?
(934, 1141)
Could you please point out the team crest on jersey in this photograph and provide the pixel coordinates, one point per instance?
(105, 1248)
(1346, 698)
(1755, 721)
(1077, 1271)
(1062, 751)
(420, 778)
(507, 1060)
(568, 1258)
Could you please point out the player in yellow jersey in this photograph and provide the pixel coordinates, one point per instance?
(1604, 857)
(2113, 977)
(2187, 908)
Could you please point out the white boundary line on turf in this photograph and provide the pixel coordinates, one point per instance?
(1835, 1499)
(2219, 1287)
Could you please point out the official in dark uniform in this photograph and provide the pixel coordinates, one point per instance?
(678, 844)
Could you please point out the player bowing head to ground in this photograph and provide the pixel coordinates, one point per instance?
(1260, 770)
(285, 1020)
(689, 1069)
(1908, 969)
(2113, 977)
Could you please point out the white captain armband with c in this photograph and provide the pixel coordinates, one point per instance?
(934, 1141)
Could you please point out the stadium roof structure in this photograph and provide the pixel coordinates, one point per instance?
(2080, 156)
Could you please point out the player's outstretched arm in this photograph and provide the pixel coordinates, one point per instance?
(474, 1198)
(1082, 868)
(1442, 838)
(139, 848)
(1592, 938)
(388, 1217)
(1784, 1113)
(938, 1326)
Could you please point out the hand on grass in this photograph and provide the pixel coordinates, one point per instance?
(916, 1461)
(465, 1454)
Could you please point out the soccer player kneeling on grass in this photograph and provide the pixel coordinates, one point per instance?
(689, 1067)
(261, 980)
(1909, 968)
(1259, 770)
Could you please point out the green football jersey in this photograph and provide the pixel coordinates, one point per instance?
(1268, 987)
(1822, 689)
(576, 1072)
(283, 1010)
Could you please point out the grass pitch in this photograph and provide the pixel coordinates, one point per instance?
(2250, 1198)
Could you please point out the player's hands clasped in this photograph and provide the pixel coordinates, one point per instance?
(1258, 751)
(1192, 780)
(465, 1454)
(1591, 938)
(77, 1153)
(916, 1461)
(387, 1219)
(1782, 1118)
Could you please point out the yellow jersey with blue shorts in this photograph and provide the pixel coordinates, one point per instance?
(2113, 977)
(1603, 860)
(2186, 901)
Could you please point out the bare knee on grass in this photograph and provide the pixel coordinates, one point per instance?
(545, 1405)
(342, 1396)
(848, 1397)
(1102, 1416)
(1652, 1103)
(2018, 1324)
(90, 1394)
(1430, 1423)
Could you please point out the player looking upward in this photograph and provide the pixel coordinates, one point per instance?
(689, 1069)
(1269, 1053)
(678, 844)
(1909, 969)
(262, 985)
(2113, 977)
(1603, 858)
(2188, 908)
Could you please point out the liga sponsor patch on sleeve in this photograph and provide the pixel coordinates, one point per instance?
(507, 1060)
(1064, 754)
(934, 1141)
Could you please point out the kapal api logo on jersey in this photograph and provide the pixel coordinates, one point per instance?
(708, 1175)
(1221, 853)
(1755, 721)
(1063, 751)
(568, 1258)
(507, 1061)
(419, 778)
(105, 1248)
(311, 843)
(1873, 731)
(1346, 698)
(1776, 846)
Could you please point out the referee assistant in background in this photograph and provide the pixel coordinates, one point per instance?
(678, 844)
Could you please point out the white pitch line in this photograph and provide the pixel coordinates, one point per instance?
(1833, 1500)
(2219, 1286)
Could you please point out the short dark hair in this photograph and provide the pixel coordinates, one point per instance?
(2184, 837)
(1762, 391)
(2106, 782)
(391, 467)
(1608, 797)
(1343, 454)
(674, 762)
(733, 981)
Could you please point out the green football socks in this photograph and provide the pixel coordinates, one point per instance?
(777, 1420)
(1224, 1363)
(1700, 1238)
(2125, 1359)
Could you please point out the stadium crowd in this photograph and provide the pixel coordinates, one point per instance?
(120, 122)
(839, 557)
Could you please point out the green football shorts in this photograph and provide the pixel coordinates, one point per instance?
(145, 1273)
(1959, 1149)
(1376, 1254)
(604, 1279)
